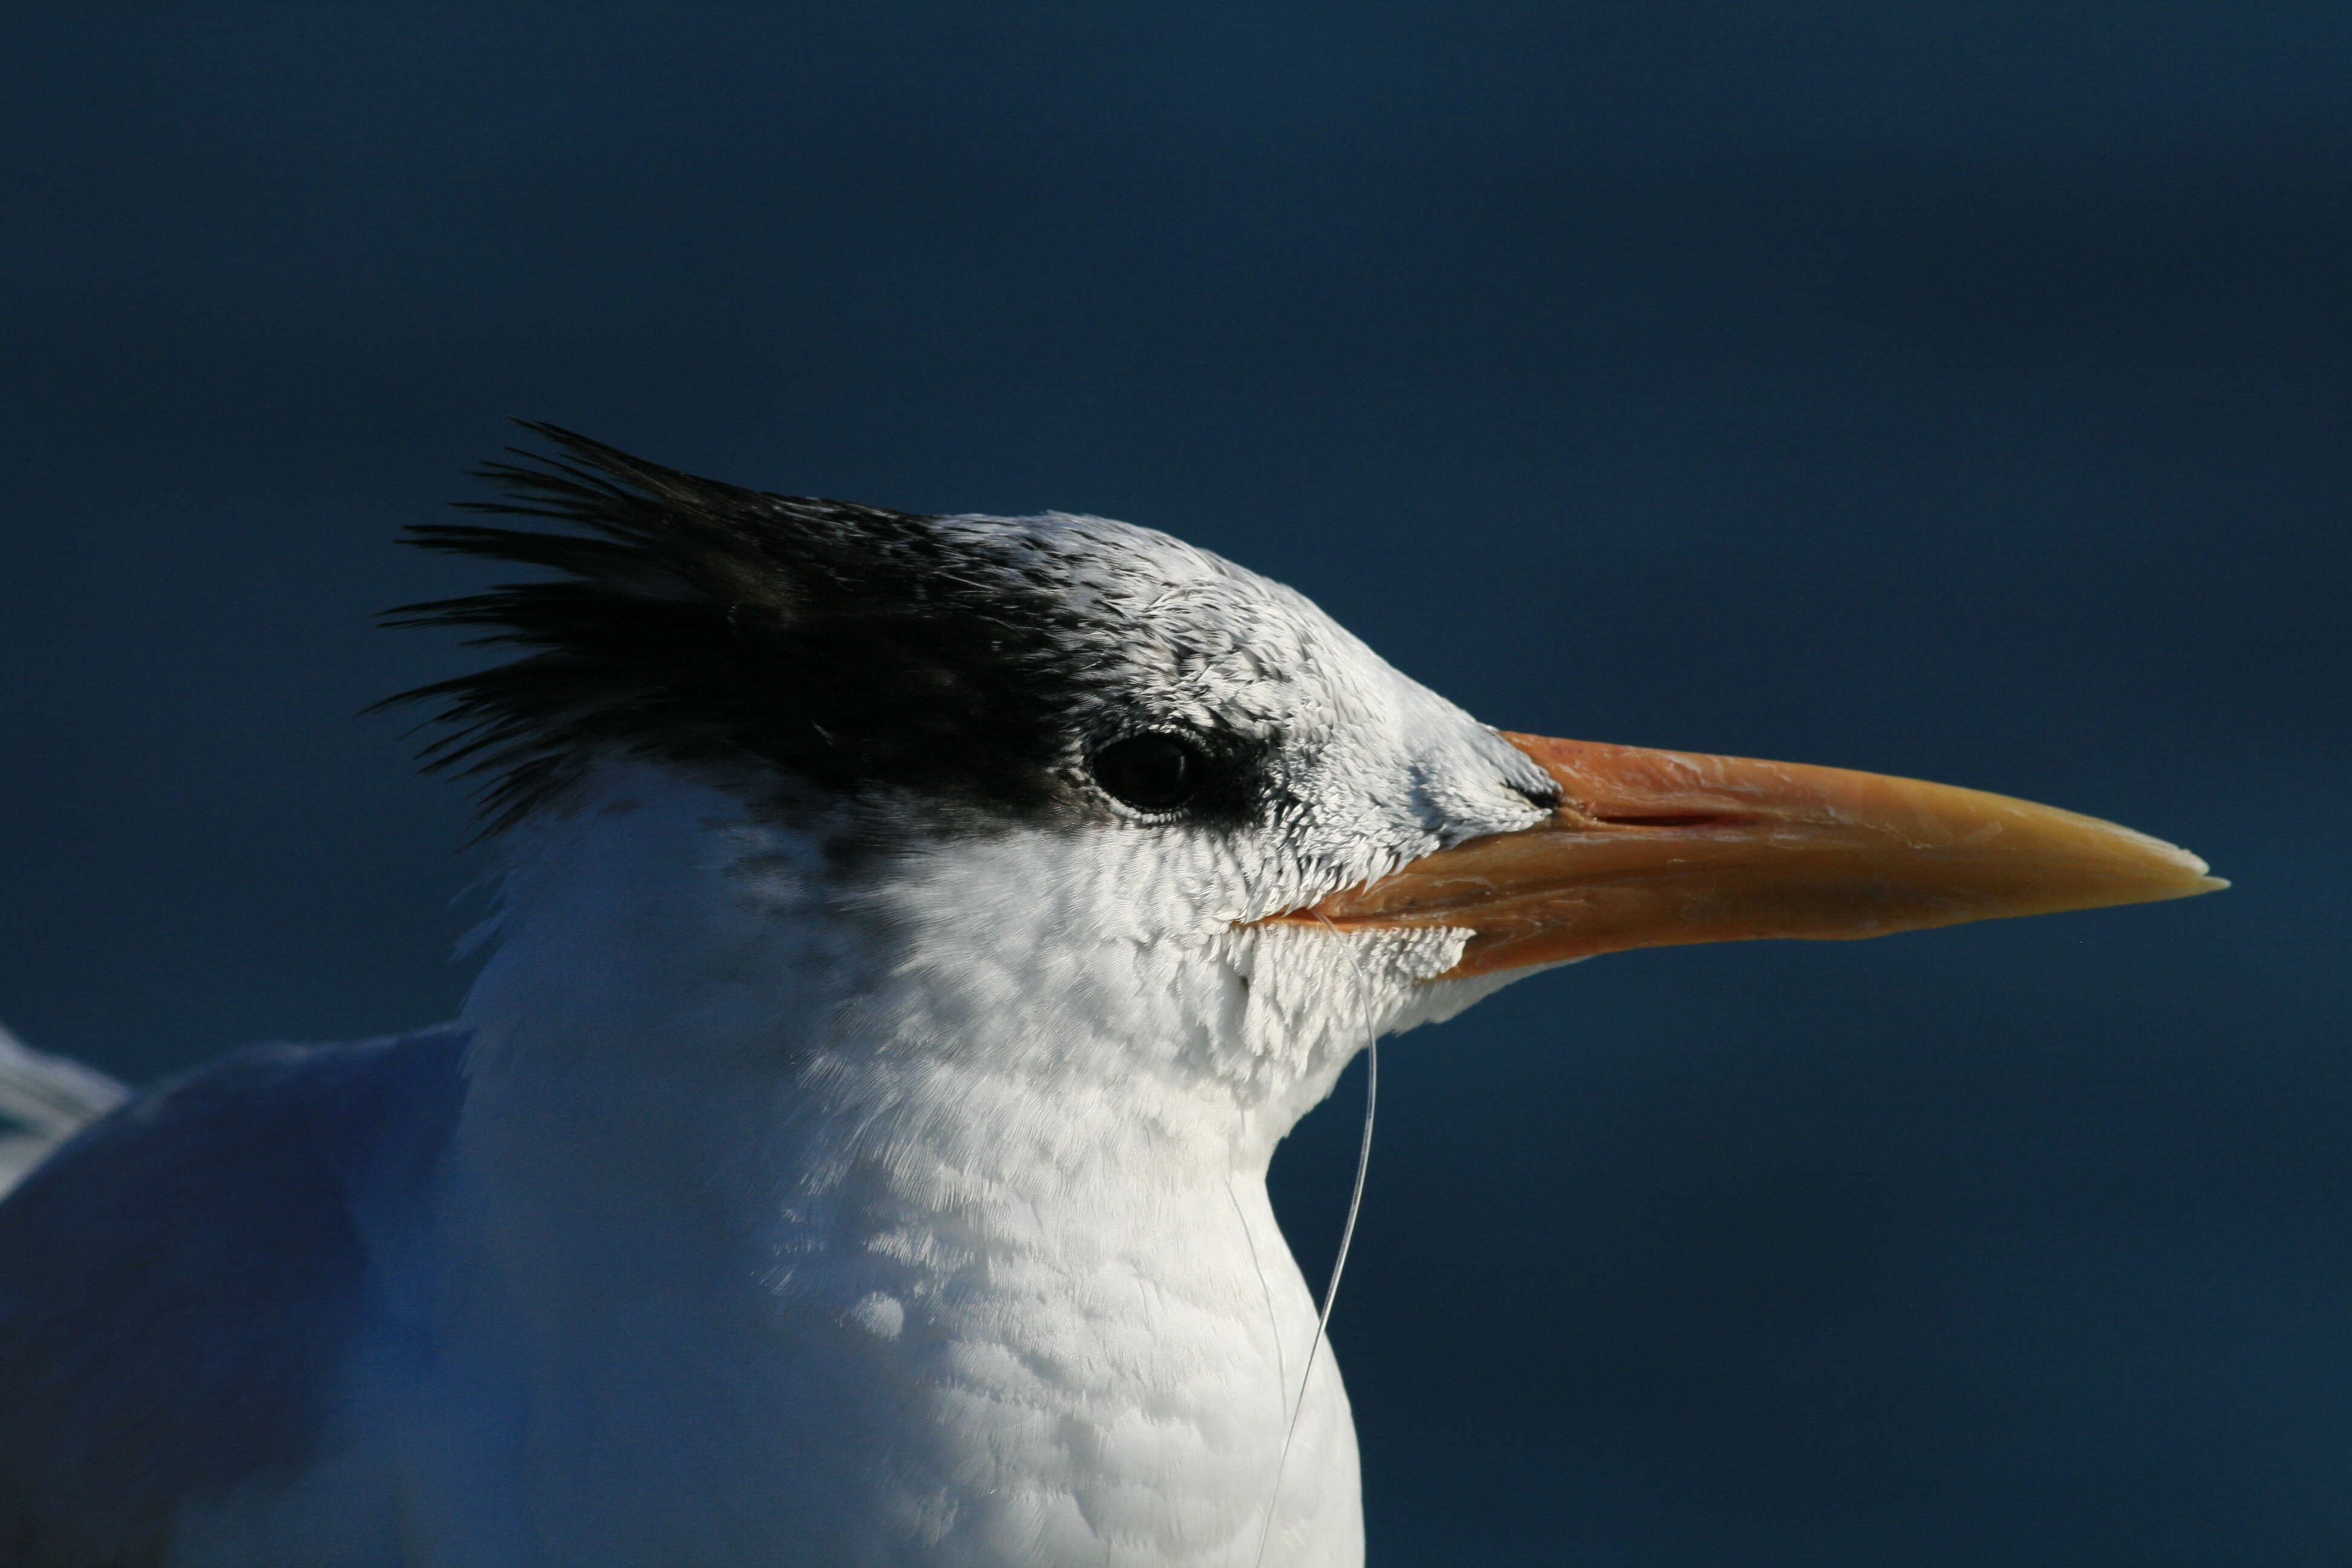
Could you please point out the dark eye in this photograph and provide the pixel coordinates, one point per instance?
(1150, 772)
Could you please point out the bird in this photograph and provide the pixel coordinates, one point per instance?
(912, 936)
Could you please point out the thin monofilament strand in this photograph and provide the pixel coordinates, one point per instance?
(1339, 1264)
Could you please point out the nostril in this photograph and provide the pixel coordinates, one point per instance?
(1686, 819)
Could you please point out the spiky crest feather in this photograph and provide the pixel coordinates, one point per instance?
(703, 623)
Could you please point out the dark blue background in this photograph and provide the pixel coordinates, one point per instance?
(1950, 390)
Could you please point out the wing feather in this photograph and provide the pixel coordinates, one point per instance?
(179, 1283)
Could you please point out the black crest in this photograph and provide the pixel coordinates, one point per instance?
(698, 622)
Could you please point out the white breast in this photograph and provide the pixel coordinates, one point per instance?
(1101, 1374)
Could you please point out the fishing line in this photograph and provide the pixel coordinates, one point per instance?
(1346, 1239)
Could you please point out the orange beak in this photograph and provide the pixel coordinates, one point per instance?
(1654, 848)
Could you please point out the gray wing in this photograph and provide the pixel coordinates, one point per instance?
(178, 1283)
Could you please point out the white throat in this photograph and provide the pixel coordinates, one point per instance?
(927, 1199)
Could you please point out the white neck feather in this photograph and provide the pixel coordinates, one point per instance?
(928, 1198)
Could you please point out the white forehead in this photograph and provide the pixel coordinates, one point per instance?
(1195, 628)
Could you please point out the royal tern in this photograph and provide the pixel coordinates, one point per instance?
(913, 936)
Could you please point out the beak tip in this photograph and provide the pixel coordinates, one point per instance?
(2174, 873)
(2192, 874)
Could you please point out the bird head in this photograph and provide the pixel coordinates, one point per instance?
(1099, 774)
